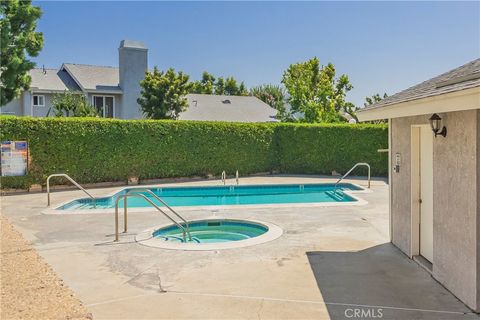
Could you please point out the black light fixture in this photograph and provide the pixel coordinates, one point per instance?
(435, 123)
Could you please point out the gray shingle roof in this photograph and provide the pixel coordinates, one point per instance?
(227, 108)
(52, 80)
(461, 78)
(95, 77)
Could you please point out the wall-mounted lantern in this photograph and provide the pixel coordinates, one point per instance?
(435, 123)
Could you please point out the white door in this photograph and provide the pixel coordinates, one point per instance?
(426, 193)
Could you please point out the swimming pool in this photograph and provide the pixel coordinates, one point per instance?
(227, 195)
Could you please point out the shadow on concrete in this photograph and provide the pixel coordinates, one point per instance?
(381, 283)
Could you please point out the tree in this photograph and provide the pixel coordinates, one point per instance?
(272, 95)
(220, 86)
(18, 38)
(206, 85)
(72, 104)
(343, 107)
(209, 85)
(315, 94)
(373, 99)
(232, 88)
(350, 109)
(163, 94)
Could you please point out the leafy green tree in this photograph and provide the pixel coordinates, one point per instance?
(209, 85)
(232, 88)
(373, 99)
(343, 107)
(220, 86)
(18, 38)
(72, 104)
(206, 85)
(242, 89)
(273, 95)
(350, 109)
(315, 94)
(163, 94)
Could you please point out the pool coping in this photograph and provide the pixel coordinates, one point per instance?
(358, 201)
(145, 237)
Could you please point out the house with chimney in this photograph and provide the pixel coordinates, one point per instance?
(113, 92)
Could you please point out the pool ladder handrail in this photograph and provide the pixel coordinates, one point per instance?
(224, 177)
(185, 230)
(150, 192)
(353, 168)
(72, 181)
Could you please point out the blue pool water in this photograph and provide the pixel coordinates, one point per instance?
(213, 231)
(227, 195)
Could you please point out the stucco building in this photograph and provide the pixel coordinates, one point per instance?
(114, 91)
(434, 157)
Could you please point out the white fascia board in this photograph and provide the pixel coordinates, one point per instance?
(103, 92)
(467, 99)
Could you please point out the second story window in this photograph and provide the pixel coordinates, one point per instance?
(38, 100)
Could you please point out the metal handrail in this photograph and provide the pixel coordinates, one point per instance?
(165, 204)
(224, 177)
(349, 171)
(125, 196)
(72, 181)
(236, 176)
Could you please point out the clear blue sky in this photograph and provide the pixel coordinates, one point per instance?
(381, 46)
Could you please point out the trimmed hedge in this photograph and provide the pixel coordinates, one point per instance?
(96, 150)
(322, 149)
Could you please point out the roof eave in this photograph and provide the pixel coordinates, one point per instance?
(38, 90)
(70, 73)
(466, 99)
(93, 91)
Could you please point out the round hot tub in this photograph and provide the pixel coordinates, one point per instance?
(210, 234)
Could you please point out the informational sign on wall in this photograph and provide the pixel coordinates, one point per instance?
(14, 158)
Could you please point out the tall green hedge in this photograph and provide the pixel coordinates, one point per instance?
(322, 149)
(96, 150)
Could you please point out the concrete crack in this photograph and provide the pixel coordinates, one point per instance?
(161, 290)
(260, 309)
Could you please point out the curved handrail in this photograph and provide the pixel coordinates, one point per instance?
(164, 203)
(224, 177)
(125, 196)
(72, 181)
(353, 168)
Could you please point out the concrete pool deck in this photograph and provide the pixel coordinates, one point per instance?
(331, 262)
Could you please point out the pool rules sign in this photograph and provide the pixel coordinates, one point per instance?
(14, 158)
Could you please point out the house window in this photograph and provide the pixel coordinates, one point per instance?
(105, 106)
(38, 101)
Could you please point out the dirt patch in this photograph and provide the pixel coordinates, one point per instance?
(29, 287)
